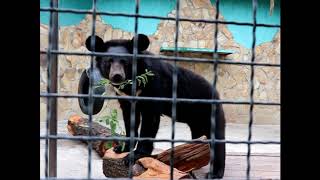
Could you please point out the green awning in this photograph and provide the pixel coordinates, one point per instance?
(195, 50)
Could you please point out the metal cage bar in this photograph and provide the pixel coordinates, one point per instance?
(133, 89)
(215, 79)
(52, 71)
(186, 100)
(174, 87)
(90, 100)
(160, 57)
(94, 138)
(254, 18)
(77, 11)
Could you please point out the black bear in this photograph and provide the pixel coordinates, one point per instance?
(190, 85)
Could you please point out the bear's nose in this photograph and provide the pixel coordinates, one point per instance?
(117, 78)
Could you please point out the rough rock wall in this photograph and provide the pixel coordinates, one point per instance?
(233, 80)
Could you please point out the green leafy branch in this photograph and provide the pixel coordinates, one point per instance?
(112, 121)
(143, 78)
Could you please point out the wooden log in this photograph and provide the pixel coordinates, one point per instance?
(158, 170)
(187, 157)
(78, 126)
(144, 168)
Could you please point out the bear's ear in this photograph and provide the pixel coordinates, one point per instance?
(99, 44)
(143, 42)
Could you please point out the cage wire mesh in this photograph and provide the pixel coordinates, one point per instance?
(52, 52)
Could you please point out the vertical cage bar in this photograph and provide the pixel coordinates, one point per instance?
(91, 99)
(133, 88)
(254, 6)
(174, 89)
(213, 105)
(51, 144)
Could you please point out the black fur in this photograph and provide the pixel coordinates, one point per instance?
(190, 85)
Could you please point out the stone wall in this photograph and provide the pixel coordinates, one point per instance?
(233, 80)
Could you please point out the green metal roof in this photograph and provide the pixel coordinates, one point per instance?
(196, 50)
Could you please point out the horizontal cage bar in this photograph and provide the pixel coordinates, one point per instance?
(114, 138)
(160, 57)
(134, 98)
(77, 11)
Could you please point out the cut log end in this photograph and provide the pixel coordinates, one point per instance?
(73, 120)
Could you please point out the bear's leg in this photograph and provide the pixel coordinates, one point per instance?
(219, 148)
(219, 160)
(199, 129)
(126, 109)
(149, 129)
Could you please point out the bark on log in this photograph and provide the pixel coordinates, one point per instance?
(187, 157)
(78, 126)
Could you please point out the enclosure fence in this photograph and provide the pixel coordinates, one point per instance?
(53, 52)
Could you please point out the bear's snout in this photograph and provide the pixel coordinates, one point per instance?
(117, 74)
(117, 78)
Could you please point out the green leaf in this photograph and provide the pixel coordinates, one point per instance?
(103, 82)
(113, 128)
(145, 77)
(108, 145)
(122, 86)
(122, 147)
(114, 113)
(150, 74)
(144, 82)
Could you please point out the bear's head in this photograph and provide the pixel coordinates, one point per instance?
(116, 69)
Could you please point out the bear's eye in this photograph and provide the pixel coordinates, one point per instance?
(105, 63)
